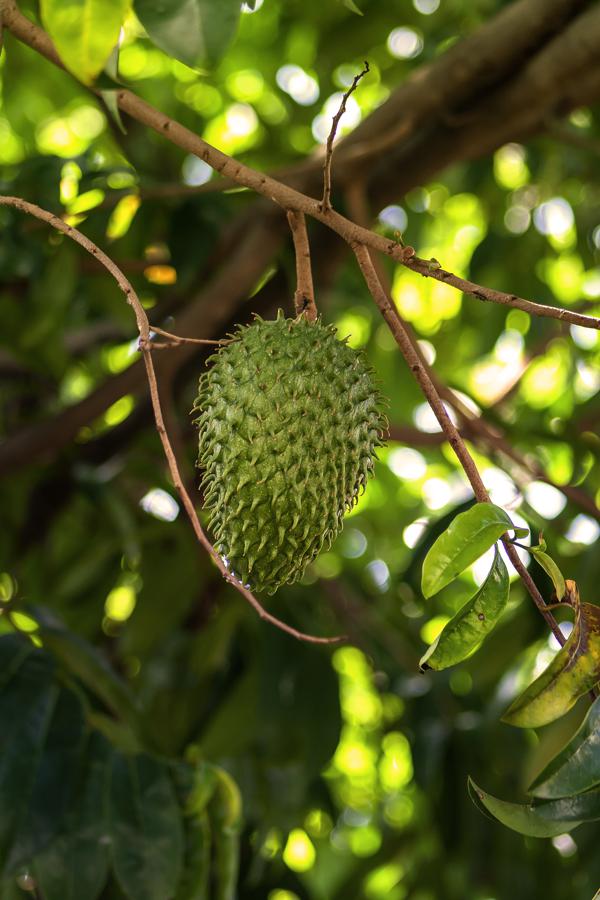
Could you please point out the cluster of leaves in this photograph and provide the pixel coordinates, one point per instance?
(573, 774)
(86, 32)
(84, 804)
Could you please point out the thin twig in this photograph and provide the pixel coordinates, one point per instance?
(304, 298)
(419, 370)
(326, 201)
(144, 333)
(177, 339)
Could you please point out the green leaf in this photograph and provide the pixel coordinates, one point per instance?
(74, 866)
(469, 535)
(84, 32)
(27, 704)
(351, 5)
(520, 532)
(465, 632)
(194, 31)
(87, 663)
(225, 810)
(577, 767)
(195, 879)
(195, 784)
(574, 670)
(47, 789)
(544, 820)
(145, 827)
(551, 569)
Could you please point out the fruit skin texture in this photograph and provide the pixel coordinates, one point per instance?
(289, 421)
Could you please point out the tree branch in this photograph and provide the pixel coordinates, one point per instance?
(304, 298)
(284, 195)
(143, 326)
(419, 370)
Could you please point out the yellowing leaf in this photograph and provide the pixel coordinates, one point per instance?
(84, 32)
(573, 672)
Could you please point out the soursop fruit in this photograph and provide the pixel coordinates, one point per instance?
(289, 420)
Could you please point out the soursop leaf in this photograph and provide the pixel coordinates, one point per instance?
(145, 827)
(84, 661)
(539, 819)
(75, 865)
(465, 632)
(197, 32)
(577, 767)
(41, 731)
(551, 569)
(469, 535)
(67, 797)
(84, 32)
(573, 672)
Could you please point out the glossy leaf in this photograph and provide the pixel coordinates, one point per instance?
(577, 767)
(574, 670)
(351, 5)
(469, 535)
(194, 31)
(551, 569)
(466, 630)
(543, 820)
(145, 828)
(74, 866)
(84, 32)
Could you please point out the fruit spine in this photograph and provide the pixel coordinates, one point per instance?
(289, 421)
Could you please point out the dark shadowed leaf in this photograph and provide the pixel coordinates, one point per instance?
(466, 630)
(47, 789)
(88, 664)
(542, 820)
(74, 866)
(145, 828)
(577, 767)
(574, 670)
(468, 537)
(193, 31)
(84, 32)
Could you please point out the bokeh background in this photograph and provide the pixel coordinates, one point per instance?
(351, 764)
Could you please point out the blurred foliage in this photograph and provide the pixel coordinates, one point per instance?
(352, 766)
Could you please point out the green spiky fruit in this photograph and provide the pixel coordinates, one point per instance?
(288, 420)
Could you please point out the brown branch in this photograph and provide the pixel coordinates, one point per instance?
(432, 269)
(419, 370)
(304, 298)
(284, 195)
(143, 326)
(326, 201)
(178, 339)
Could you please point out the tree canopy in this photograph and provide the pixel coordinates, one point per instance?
(159, 739)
